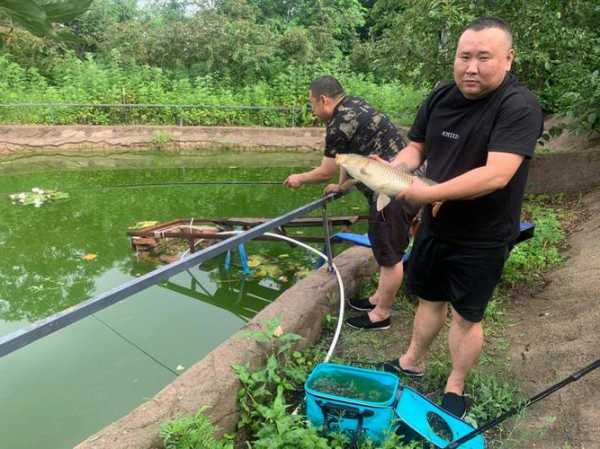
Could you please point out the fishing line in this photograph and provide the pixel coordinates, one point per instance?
(139, 348)
(167, 184)
(193, 183)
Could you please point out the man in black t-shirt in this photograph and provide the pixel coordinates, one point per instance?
(353, 126)
(478, 135)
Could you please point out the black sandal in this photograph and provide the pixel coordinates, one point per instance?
(455, 404)
(393, 366)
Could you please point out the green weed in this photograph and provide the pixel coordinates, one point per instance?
(161, 139)
(528, 260)
(192, 432)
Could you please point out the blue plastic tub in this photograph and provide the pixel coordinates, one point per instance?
(421, 419)
(359, 402)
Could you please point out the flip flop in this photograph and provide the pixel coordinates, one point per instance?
(393, 366)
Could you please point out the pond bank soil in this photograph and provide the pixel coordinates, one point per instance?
(557, 332)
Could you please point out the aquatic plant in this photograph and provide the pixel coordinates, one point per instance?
(37, 197)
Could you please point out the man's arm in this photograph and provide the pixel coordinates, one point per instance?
(411, 156)
(345, 182)
(494, 175)
(319, 174)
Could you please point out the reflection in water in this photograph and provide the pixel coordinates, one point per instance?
(227, 297)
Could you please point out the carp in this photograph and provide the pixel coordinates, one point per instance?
(383, 179)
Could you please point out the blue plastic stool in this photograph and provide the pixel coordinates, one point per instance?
(350, 237)
(360, 240)
(526, 231)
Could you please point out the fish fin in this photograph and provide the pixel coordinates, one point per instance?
(382, 201)
(436, 208)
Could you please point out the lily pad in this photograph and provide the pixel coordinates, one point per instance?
(256, 260)
(272, 271)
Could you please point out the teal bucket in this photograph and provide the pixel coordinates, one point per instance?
(365, 403)
(356, 401)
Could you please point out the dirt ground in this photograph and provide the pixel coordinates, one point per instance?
(555, 333)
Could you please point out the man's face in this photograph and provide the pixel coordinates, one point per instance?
(319, 106)
(481, 62)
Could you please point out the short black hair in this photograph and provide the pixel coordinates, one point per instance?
(326, 85)
(485, 22)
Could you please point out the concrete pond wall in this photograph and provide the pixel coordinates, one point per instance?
(40, 139)
(572, 169)
(211, 382)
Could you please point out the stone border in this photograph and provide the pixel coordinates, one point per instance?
(211, 381)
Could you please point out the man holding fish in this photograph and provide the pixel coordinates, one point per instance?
(354, 127)
(478, 134)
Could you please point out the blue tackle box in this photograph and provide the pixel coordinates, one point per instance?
(368, 403)
(420, 419)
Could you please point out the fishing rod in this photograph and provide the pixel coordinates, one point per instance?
(513, 411)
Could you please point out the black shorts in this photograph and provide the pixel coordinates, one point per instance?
(388, 232)
(464, 276)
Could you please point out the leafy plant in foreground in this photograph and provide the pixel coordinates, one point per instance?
(192, 432)
(282, 376)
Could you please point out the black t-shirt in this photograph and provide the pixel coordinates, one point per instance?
(458, 133)
(356, 127)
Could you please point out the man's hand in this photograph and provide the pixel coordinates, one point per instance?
(418, 193)
(343, 187)
(293, 181)
(321, 173)
(400, 165)
(376, 157)
(332, 188)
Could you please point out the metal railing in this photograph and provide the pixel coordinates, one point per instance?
(23, 337)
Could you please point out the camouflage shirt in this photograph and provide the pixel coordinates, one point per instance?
(356, 127)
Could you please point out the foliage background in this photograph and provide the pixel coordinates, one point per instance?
(265, 52)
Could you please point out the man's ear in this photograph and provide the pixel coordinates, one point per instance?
(509, 59)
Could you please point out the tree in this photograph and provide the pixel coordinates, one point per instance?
(38, 17)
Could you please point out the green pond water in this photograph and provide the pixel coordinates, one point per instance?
(59, 390)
